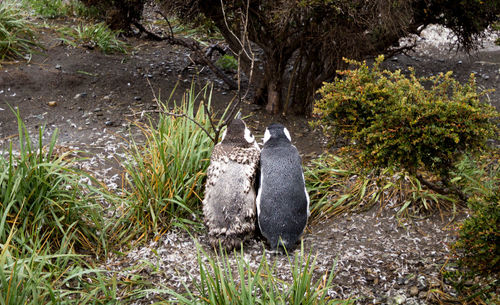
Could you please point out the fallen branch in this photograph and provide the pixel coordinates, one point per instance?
(192, 45)
(443, 190)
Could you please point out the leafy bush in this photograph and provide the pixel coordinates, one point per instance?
(227, 62)
(16, 34)
(166, 174)
(94, 36)
(478, 236)
(396, 121)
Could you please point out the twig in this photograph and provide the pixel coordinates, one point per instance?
(444, 191)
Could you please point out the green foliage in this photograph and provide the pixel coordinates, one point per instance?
(48, 8)
(41, 196)
(227, 62)
(220, 283)
(94, 36)
(409, 122)
(336, 185)
(166, 174)
(16, 34)
(478, 242)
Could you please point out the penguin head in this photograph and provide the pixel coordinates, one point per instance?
(237, 134)
(277, 133)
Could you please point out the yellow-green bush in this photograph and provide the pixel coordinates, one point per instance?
(413, 123)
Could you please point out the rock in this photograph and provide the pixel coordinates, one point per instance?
(413, 291)
(109, 123)
(137, 98)
(52, 103)
(58, 67)
(398, 299)
(394, 59)
(421, 282)
(459, 62)
(97, 109)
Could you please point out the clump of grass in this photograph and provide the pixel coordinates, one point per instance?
(166, 174)
(94, 36)
(337, 185)
(16, 34)
(41, 195)
(48, 8)
(233, 281)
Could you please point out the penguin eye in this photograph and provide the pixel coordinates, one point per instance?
(287, 134)
(267, 136)
(248, 136)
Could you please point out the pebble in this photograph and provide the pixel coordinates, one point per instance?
(58, 67)
(422, 295)
(137, 98)
(52, 103)
(109, 123)
(398, 299)
(413, 291)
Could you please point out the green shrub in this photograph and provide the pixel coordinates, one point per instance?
(16, 34)
(94, 36)
(418, 124)
(48, 8)
(227, 62)
(166, 174)
(479, 240)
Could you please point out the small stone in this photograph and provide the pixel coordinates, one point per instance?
(413, 291)
(150, 75)
(52, 103)
(459, 62)
(97, 109)
(109, 123)
(485, 76)
(421, 282)
(422, 295)
(399, 299)
(58, 67)
(106, 98)
(137, 98)
(394, 59)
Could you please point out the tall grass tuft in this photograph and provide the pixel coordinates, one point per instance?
(16, 34)
(226, 280)
(166, 174)
(336, 185)
(94, 36)
(41, 196)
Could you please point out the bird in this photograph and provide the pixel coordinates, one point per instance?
(282, 199)
(229, 201)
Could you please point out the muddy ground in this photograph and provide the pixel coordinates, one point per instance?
(96, 97)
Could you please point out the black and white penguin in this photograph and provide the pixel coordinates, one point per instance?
(282, 199)
(229, 203)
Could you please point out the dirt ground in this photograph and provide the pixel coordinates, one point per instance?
(96, 97)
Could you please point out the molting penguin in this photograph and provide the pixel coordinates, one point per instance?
(282, 199)
(229, 203)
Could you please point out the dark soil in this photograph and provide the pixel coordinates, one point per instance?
(98, 96)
